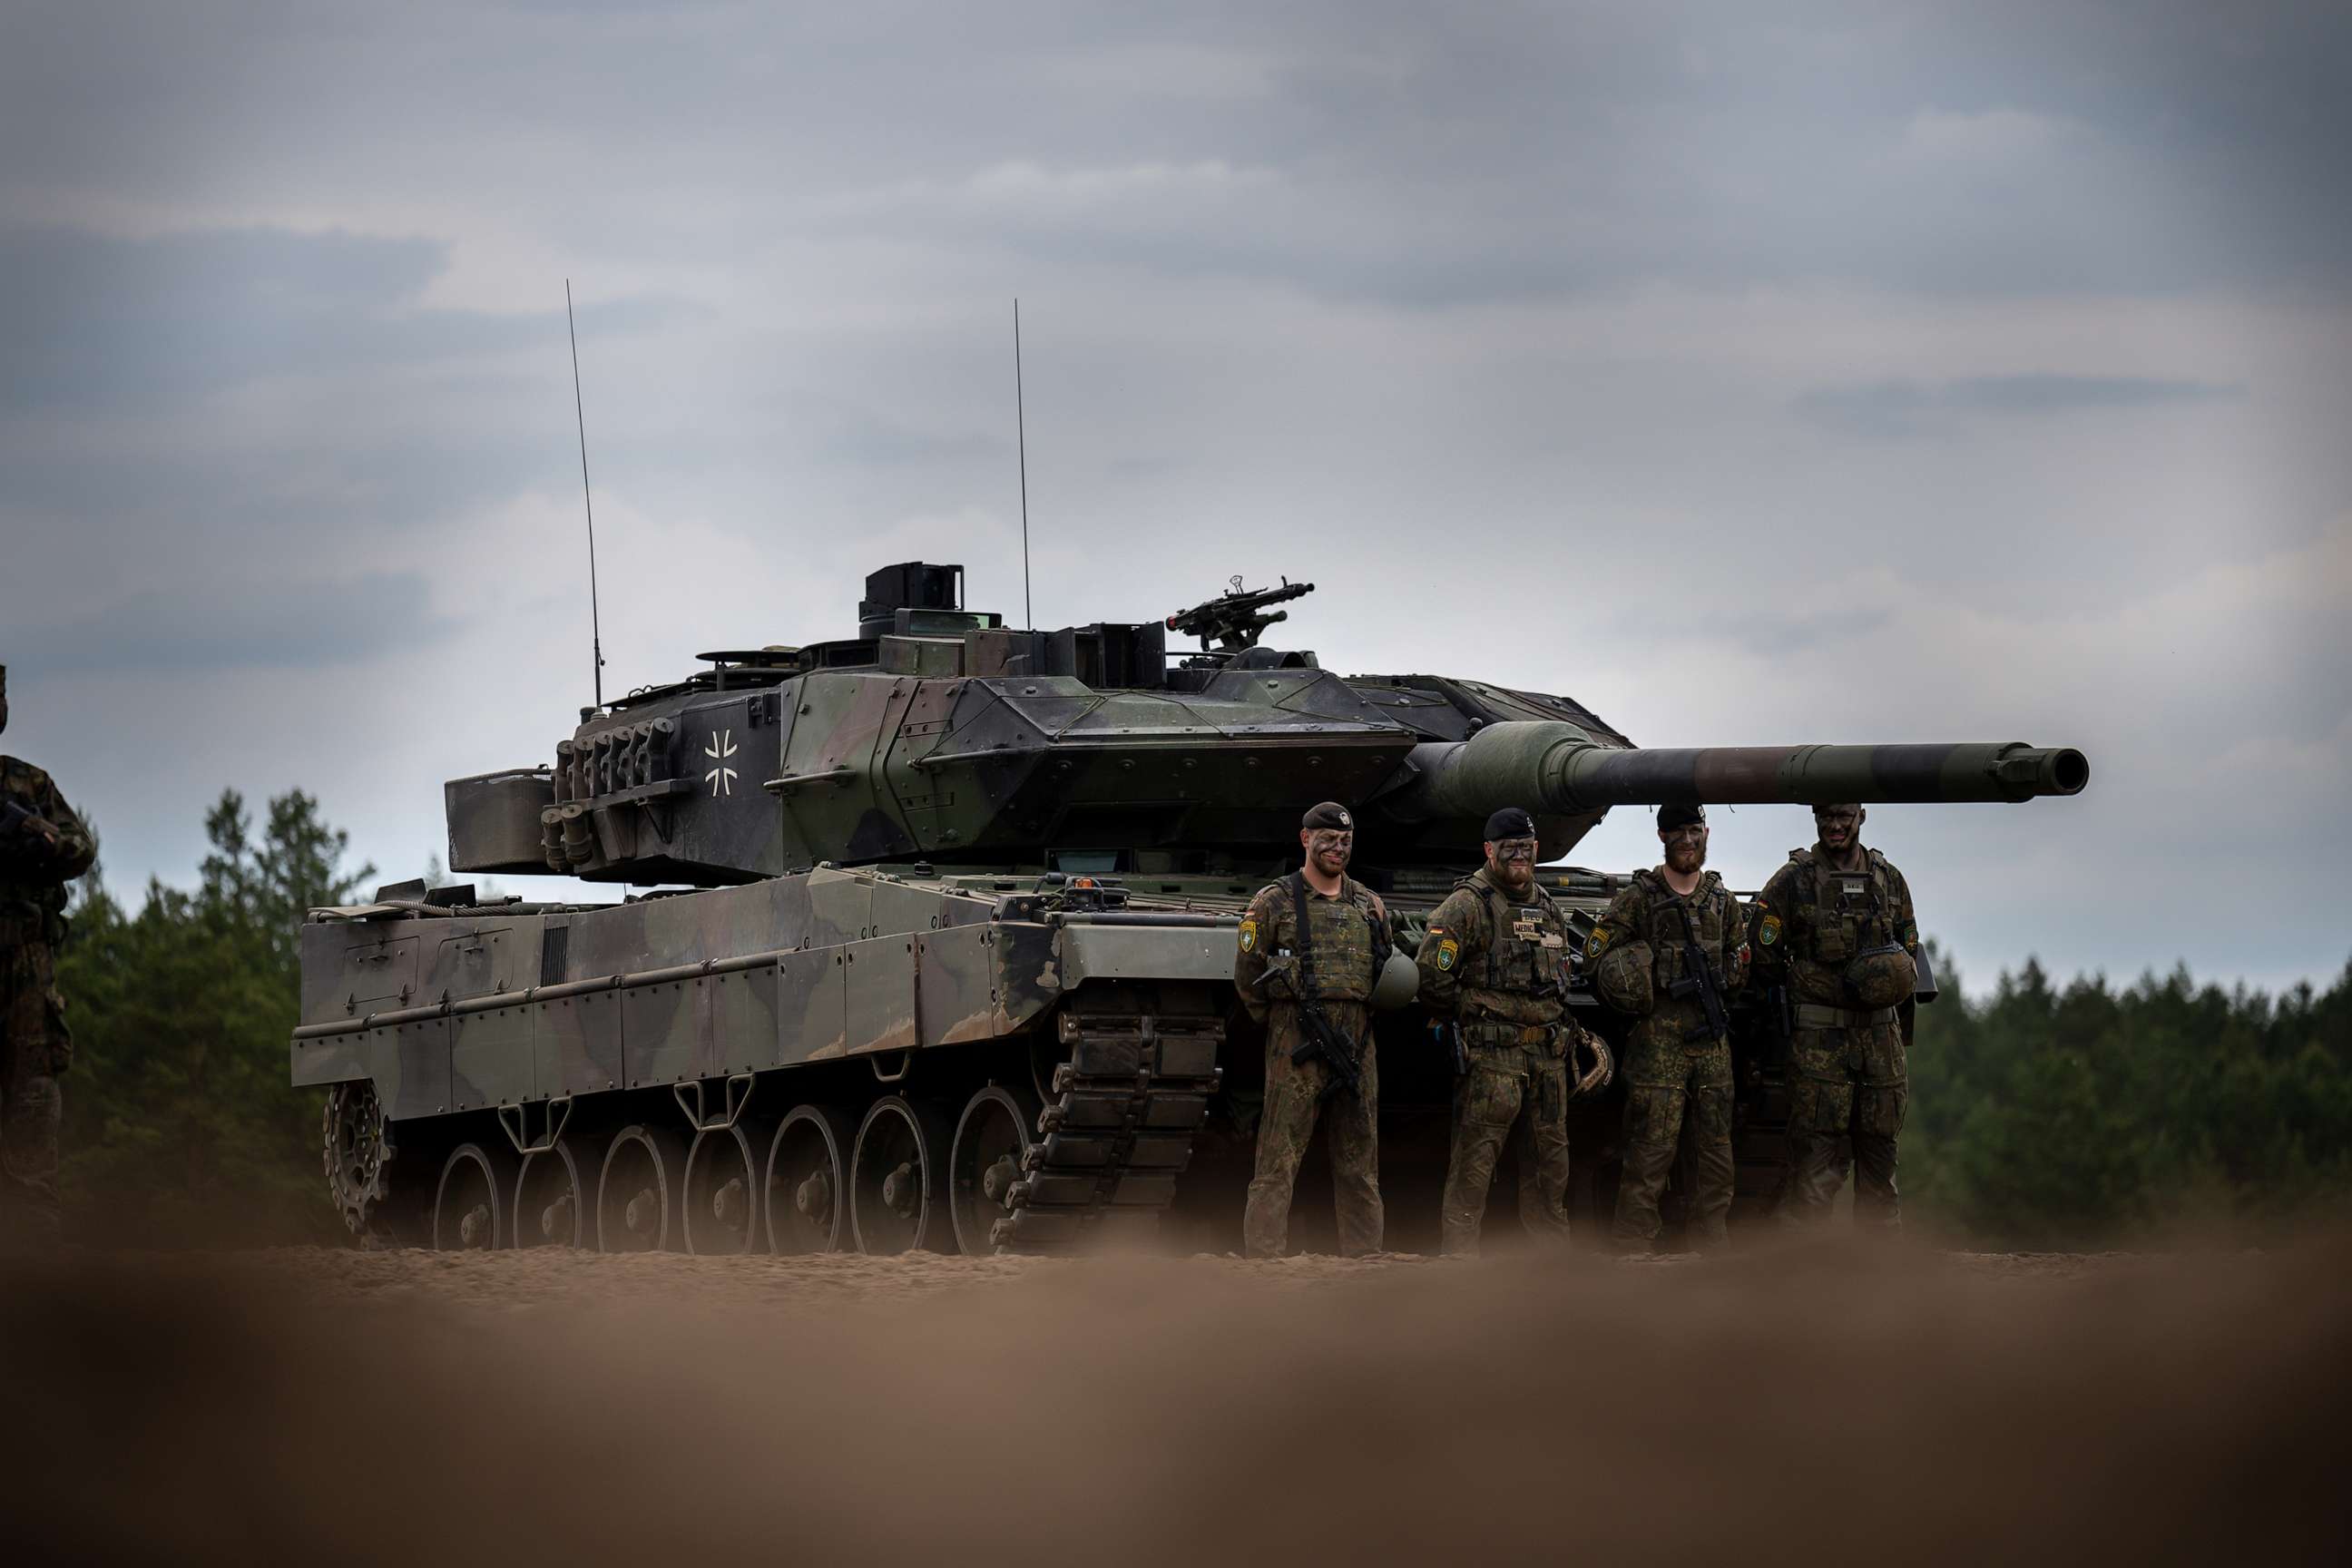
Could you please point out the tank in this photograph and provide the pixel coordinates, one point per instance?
(939, 949)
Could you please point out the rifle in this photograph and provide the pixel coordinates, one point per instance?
(1323, 1037)
(1701, 983)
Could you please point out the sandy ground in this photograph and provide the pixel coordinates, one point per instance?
(1818, 1403)
(556, 1278)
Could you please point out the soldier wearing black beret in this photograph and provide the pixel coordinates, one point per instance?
(1672, 951)
(1494, 967)
(1319, 936)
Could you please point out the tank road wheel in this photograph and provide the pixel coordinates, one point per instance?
(471, 1207)
(805, 1205)
(551, 1205)
(897, 1200)
(990, 1139)
(723, 1191)
(358, 1158)
(637, 1207)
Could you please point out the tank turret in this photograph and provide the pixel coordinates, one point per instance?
(940, 734)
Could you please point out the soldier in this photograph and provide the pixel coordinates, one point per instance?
(1311, 948)
(1836, 924)
(1671, 952)
(1494, 964)
(42, 845)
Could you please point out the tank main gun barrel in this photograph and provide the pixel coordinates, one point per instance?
(1556, 767)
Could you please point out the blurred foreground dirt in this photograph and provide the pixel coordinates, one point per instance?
(1816, 1403)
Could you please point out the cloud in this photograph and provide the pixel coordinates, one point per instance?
(104, 323)
(1913, 407)
(284, 625)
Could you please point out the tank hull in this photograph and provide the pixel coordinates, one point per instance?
(1102, 1020)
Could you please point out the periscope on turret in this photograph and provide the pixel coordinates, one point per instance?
(942, 948)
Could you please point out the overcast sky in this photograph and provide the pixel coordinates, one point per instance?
(1750, 374)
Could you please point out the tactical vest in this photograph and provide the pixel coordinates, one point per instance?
(1518, 979)
(1716, 912)
(1835, 916)
(1349, 945)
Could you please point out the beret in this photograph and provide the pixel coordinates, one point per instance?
(1511, 822)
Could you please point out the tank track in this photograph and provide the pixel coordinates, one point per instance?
(1118, 1134)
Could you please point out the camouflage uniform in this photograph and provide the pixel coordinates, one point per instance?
(1494, 967)
(1678, 1074)
(1850, 1075)
(1350, 937)
(34, 1045)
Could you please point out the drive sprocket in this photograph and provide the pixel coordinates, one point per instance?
(358, 1149)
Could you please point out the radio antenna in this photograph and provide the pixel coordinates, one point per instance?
(596, 622)
(1021, 430)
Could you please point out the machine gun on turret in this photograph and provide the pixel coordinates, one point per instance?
(1236, 620)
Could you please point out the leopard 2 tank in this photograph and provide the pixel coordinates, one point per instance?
(939, 949)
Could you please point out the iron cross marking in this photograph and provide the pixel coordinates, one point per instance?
(721, 778)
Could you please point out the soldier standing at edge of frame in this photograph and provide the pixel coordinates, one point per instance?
(1837, 920)
(42, 845)
(1322, 937)
(1671, 952)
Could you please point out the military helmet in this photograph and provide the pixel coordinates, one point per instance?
(1882, 977)
(1398, 980)
(1623, 978)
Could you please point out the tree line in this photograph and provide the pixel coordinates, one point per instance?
(2041, 1114)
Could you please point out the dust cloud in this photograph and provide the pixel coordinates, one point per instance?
(1823, 1404)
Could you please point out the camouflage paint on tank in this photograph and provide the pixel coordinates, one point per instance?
(858, 961)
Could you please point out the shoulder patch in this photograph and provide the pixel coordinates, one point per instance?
(1594, 943)
(1448, 950)
(1249, 936)
(1768, 930)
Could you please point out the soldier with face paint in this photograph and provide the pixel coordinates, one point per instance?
(1495, 961)
(1672, 937)
(1319, 933)
(1837, 921)
(42, 845)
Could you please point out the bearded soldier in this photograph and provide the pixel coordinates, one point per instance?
(1671, 952)
(1494, 964)
(1837, 921)
(42, 845)
(1311, 948)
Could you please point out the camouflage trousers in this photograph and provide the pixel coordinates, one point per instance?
(1513, 1085)
(1675, 1096)
(1848, 1084)
(1293, 1103)
(33, 1050)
